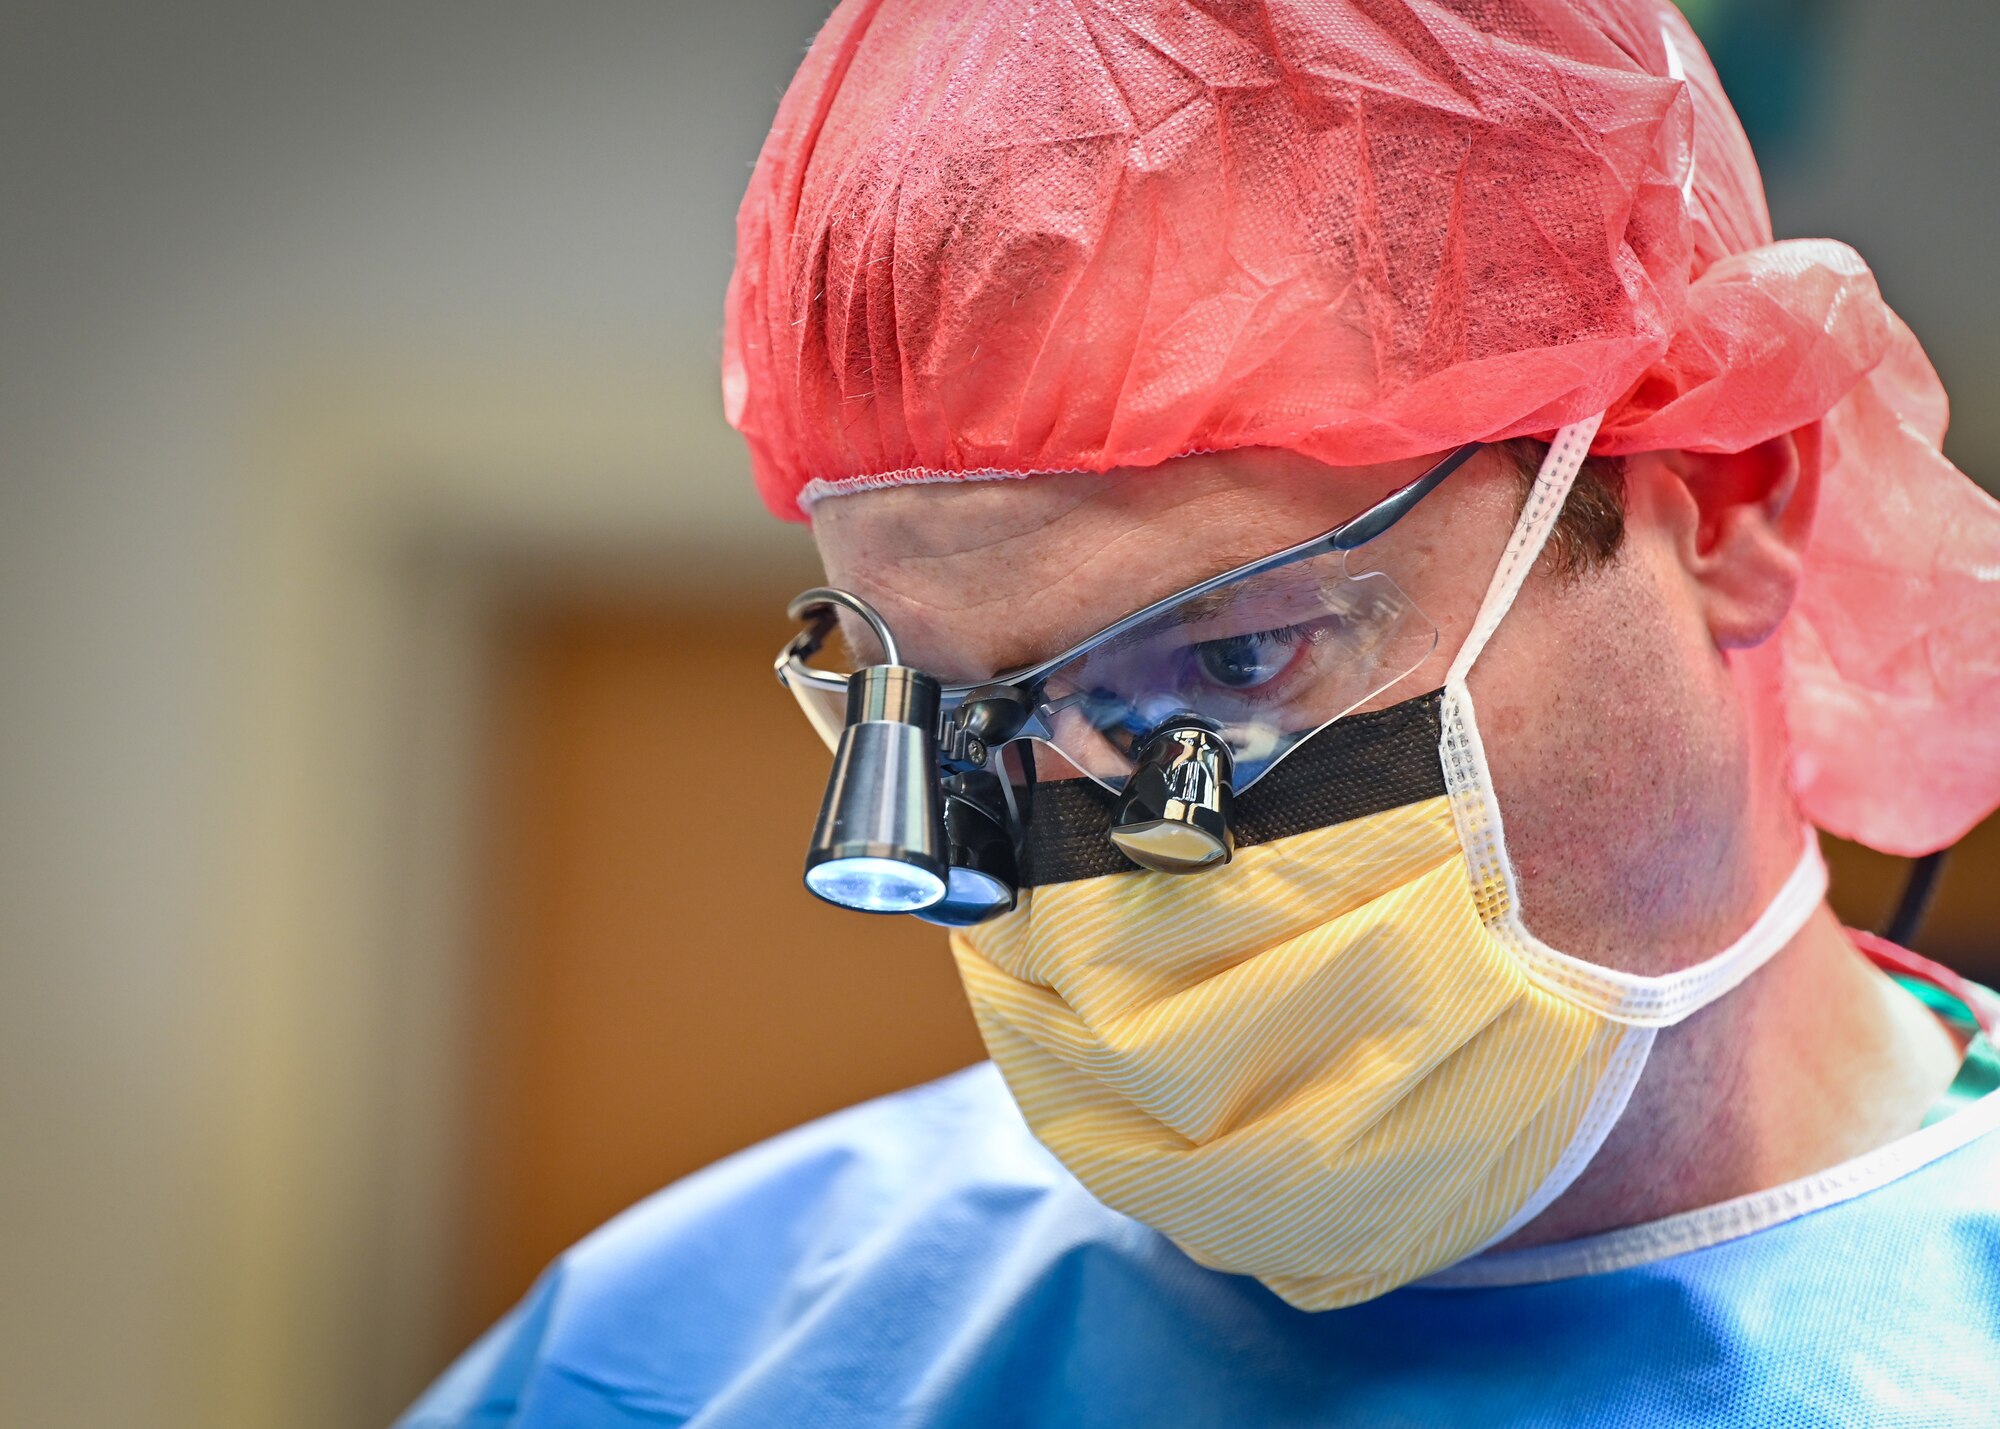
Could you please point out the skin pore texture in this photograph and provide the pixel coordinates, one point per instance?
(1631, 724)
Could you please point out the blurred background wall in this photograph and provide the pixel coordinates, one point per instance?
(397, 820)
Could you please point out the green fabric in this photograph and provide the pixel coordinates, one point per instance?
(1979, 1073)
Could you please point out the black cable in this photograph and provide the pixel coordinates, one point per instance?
(1024, 752)
(1018, 793)
(1916, 900)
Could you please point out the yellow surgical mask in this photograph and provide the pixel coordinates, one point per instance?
(1341, 1061)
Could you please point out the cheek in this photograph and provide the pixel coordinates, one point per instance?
(1615, 741)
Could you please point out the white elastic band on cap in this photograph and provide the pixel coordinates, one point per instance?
(820, 488)
(1531, 533)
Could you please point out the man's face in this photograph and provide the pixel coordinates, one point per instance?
(1615, 733)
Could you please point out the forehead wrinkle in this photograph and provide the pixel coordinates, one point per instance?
(1113, 493)
(927, 577)
(929, 516)
(1029, 648)
(922, 559)
(938, 553)
(1068, 634)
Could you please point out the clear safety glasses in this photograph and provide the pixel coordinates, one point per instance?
(1175, 707)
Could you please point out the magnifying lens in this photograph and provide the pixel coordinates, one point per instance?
(980, 847)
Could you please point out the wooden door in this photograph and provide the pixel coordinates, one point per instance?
(657, 989)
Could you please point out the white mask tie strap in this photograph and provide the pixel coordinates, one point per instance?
(1531, 533)
(1630, 998)
(1661, 1001)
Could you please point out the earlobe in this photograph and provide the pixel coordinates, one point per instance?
(1745, 519)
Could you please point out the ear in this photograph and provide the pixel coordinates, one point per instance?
(1738, 522)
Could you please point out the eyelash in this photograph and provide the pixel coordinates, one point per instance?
(1282, 634)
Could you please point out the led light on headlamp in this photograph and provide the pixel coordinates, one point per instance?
(879, 844)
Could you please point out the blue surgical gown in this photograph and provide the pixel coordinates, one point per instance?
(921, 1260)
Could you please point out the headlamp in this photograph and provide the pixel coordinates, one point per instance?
(879, 844)
(1170, 713)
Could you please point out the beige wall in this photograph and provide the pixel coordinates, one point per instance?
(318, 325)
(311, 319)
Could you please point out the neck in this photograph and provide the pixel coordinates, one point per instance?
(1817, 1058)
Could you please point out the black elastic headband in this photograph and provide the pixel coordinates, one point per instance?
(1363, 764)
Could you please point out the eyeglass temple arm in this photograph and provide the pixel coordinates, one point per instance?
(1348, 535)
(1362, 529)
(1395, 506)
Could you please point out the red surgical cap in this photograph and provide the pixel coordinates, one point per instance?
(1020, 236)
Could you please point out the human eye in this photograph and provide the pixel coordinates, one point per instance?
(1249, 660)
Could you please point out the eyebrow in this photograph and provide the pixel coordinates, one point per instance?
(1204, 606)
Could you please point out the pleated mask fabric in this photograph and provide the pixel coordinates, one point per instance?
(1317, 1068)
(1341, 1061)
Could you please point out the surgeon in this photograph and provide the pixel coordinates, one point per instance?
(1356, 568)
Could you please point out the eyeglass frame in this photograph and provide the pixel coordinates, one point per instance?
(1004, 709)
